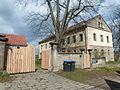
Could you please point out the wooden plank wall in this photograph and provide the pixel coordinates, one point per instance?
(46, 56)
(21, 59)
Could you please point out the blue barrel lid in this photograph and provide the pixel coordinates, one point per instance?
(69, 61)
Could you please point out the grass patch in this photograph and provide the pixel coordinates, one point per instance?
(112, 62)
(5, 77)
(106, 69)
(38, 63)
(82, 75)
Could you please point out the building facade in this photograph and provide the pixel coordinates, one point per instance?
(92, 36)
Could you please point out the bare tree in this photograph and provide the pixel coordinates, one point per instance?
(60, 13)
(115, 27)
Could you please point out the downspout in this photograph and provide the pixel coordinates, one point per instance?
(85, 39)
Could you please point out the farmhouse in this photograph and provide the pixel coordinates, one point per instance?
(16, 55)
(89, 43)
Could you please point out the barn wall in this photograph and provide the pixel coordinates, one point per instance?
(2, 50)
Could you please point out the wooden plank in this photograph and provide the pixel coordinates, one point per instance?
(21, 60)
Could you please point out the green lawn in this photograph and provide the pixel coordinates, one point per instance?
(113, 62)
(82, 75)
(5, 75)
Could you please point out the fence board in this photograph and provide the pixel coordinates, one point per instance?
(21, 60)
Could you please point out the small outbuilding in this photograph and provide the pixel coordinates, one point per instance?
(16, 56)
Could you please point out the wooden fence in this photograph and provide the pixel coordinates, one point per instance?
(20, 59)
(46, 58)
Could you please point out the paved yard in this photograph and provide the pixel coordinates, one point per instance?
(44, 80)
(110, 82)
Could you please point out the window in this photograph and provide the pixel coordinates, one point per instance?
(81, 37)
(41, 47)
(94, 37)
(102, 53)
(108, 52)
(46, 46)
(100, 25)
(74, 51)
(107, 39)
(63, 42)
(68, 51)
(101, 36)
(68, 40)
(74, 39)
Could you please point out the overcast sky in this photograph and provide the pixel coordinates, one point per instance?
(12, 18)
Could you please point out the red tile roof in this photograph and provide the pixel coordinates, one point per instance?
(81, 23)
(15, 39)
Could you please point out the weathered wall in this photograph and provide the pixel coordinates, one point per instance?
(75, 57)
(2, 50)
(94, 23)
(91, 44)
(98, 42)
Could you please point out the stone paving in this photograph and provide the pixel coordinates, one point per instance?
(109, 82)
(43, 80)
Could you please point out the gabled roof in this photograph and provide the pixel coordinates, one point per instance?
(81, 23)
(70, 29)
(18, 40)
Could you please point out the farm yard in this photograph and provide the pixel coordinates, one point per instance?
(59, 45)
(43, 80)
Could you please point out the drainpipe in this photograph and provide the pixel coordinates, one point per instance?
(85, 39)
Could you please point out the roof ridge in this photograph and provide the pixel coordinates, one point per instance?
(11, 34)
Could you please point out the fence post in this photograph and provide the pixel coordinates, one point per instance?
(54, 57)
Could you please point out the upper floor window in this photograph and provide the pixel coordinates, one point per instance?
(81, 37)
(68, 40)
(108, 52)
(46, 46)
(100, 25)
(41, 46)
(74, 39)
(63, 41)
(94, 36)
(107, 39)
(101, 37)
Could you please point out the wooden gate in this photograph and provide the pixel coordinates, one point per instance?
(21, 59)
(46, 58)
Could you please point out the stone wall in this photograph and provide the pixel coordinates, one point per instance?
(67, 56)
(2, 52)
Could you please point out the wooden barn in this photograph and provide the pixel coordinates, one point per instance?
(16, 56)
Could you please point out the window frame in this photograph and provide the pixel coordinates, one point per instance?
(101, 37)
(81, 37)
(74, 39)
(68, 40)
(94, 37)
(108, 39)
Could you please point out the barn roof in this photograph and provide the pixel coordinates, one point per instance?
(18, 40)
